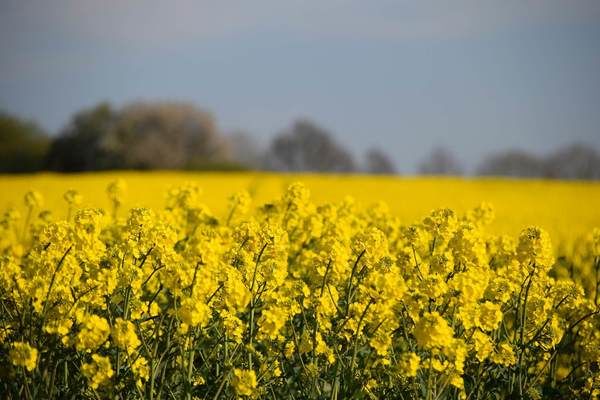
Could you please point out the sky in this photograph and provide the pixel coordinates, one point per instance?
(475, 76)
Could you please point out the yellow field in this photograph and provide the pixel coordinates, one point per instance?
(564, 209)
(294, 300)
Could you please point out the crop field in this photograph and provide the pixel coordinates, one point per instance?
(565, 209)
(245, 285)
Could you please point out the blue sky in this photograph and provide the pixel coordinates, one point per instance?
(476, 76)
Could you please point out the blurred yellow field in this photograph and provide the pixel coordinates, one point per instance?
(564, 209)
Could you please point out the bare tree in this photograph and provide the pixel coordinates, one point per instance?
(440, 162)
(378, 162)
(307, 147)
(513, 163)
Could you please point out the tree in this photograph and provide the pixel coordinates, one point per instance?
(378, 162)
(23, 145)
(82, 144)
(307, 147)
(440, 162)
(140, 136)
(166, 135)
(576, 161)
(513, 163)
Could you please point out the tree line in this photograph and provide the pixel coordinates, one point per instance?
(175, 135)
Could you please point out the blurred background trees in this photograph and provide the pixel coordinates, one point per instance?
(574, 161)
(81, 145)
(512, 163)
(157, 135)
(166, 136)
(379, 162)
(23, 145)
(308, 147)
(179, 135)
(441, 161)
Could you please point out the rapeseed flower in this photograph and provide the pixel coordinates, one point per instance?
(244, 382)
(93, 333)
(433, 331)
(98, 371)
(124, 336)
(23, 355)
(290, 298)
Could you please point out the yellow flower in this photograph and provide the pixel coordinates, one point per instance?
(296, 196)
(33, 199)
(596, 242)
(442, 263)
(237, 295)
(289, 350)
(115, 191)
(490, 316)
(481, 215)
(432, 331)
(141, 369)
(239, 204)
(381, 342)
(94, 332)
(372, 244)
(423, 300)
(482, 345)
(271, 322)
(60, 327)
(433, 286)
(194, 312)
(73, 197)
(23, 355)
(124, 336)
(534, 248)
(471, 284)
(199, 380)
(244, 382)
(409, 364)
(486, 315)
(98, 372)
(441, 223)
(457, 381)
(233, 326)
(504, 355)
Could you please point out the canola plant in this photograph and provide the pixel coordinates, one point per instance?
(289, 299)
(567, 210)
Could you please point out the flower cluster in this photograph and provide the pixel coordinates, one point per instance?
(290, 299)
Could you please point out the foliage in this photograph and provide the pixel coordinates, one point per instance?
(308, 147)
(139, 136)
(81, 146)
(378, 162)
(287, 300)
(574, 161)
(23, 145)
